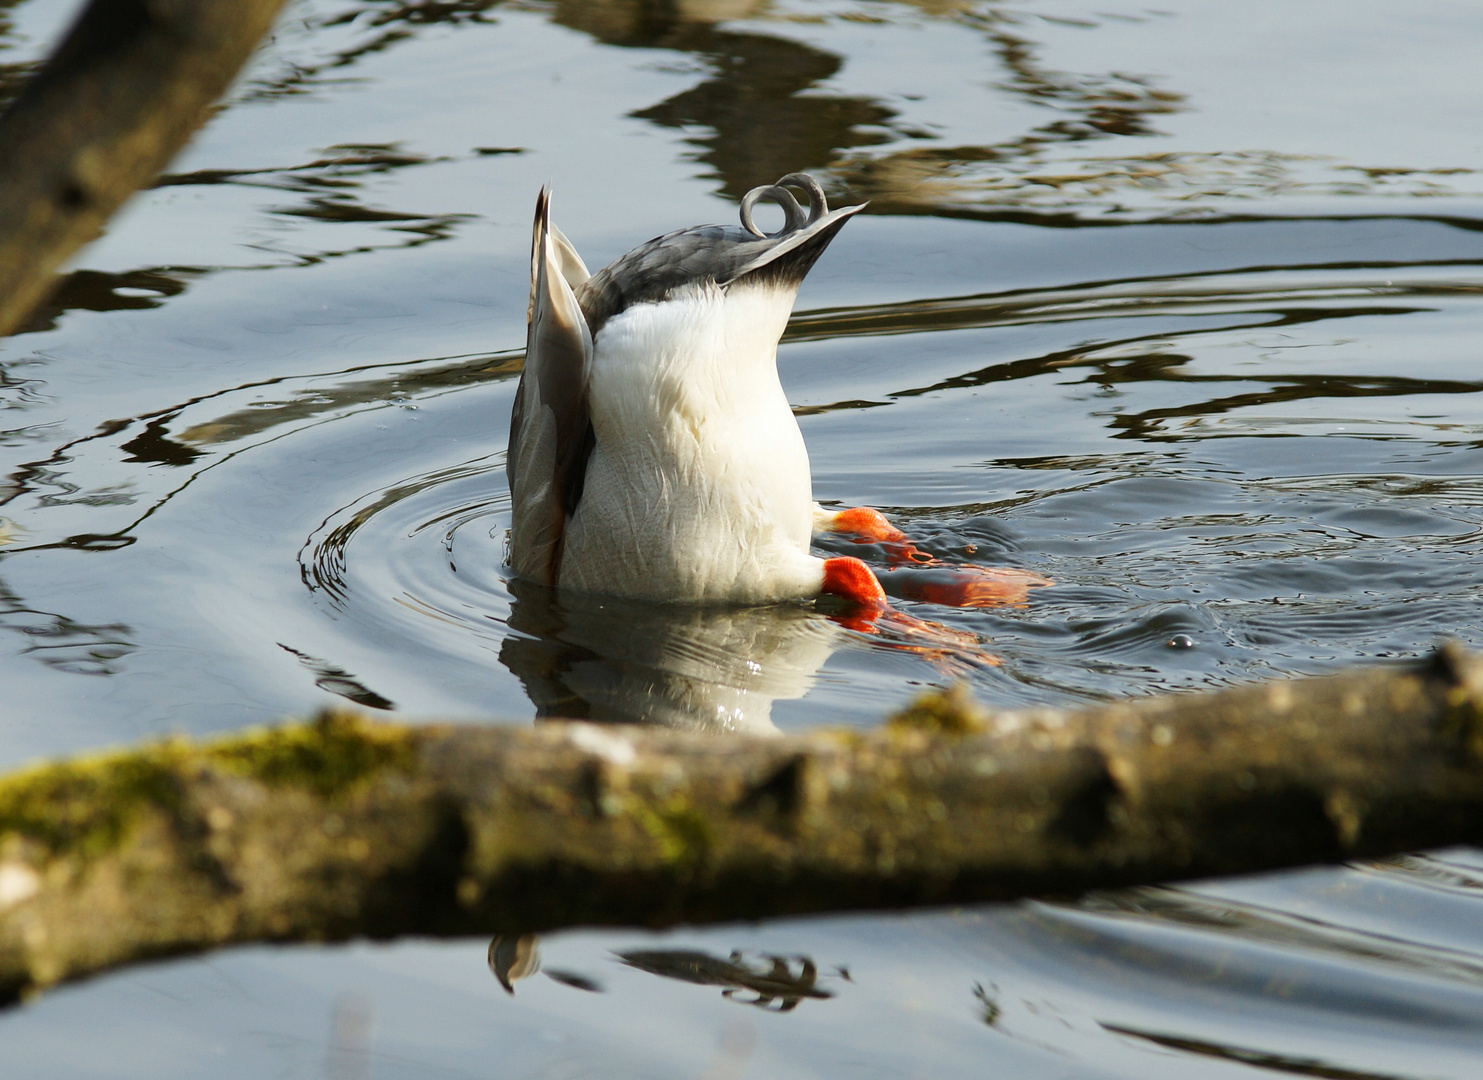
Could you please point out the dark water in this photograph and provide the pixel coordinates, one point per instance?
(1178, 306)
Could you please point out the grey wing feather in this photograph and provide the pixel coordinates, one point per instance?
(550, 426)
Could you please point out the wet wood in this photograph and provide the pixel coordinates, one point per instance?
(119, 97)
(348, 827)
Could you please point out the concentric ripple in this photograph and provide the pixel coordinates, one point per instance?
(420, 557)
(424, 558)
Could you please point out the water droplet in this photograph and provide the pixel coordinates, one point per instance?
(1181, 641)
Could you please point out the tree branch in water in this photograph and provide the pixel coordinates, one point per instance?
(119, 97)
(347, 827)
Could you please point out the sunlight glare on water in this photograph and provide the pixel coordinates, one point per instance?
(1176, 306)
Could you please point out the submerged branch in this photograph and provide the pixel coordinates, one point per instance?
(346, 827)
(109, 109)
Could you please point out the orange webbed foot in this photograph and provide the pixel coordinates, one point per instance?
(869, 612)
(869, 526)
(852, 581)
(930, 579)
(965, 586)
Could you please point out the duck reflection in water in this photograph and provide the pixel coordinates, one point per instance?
(706, 669)
(768, 981)
(710, 669)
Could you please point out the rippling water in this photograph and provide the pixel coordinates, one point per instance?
(1177, 307)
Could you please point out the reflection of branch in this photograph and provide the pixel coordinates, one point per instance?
(61, 643)
(392, 23)
(326, 183)
(345, 828)
(347, 160)
(1100, 105)
(123, 92)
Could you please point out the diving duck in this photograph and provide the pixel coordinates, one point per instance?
(653, 454)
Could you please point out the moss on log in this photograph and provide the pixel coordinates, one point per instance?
(119, 97)
(346, 827)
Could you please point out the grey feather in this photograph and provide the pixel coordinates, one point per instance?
(550, 428)
(726, 255)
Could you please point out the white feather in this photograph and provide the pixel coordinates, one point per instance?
(698, 488)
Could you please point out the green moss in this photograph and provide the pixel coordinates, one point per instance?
(941, 712)
(682, 833)
(85, 806)
(329, 757)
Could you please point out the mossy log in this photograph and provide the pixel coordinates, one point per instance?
(347, 827)
(120, 96)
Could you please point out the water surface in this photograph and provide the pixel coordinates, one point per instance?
(1175, 306)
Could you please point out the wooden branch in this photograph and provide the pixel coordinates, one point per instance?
(123, 92)
(347, 827)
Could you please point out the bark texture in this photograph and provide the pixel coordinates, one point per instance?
(123, 92)
(347, 827)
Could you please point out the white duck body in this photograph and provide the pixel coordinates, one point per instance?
(698, 486)
(653, 453)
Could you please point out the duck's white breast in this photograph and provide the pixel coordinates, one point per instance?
(698, 487)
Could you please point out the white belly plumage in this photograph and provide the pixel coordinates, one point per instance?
(698, 487)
